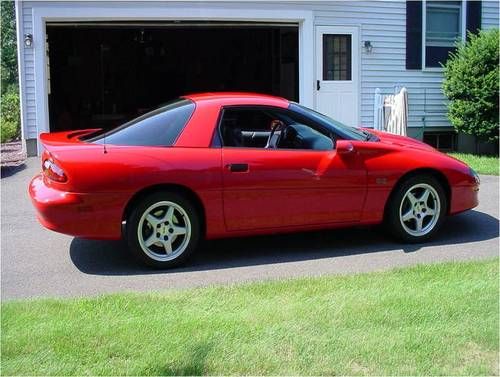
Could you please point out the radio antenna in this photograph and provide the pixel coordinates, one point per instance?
(104, 143)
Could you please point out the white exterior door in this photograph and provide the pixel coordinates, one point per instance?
(337, 73)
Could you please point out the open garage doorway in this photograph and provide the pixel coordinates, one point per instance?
(103, 74)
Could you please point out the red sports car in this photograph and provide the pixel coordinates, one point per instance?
(230, 164)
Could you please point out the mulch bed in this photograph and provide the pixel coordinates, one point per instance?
(12, 154)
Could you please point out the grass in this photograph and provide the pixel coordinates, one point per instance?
(435, 319)
(481, 164)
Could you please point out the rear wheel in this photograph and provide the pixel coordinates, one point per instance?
(163, 230)
(416, 209)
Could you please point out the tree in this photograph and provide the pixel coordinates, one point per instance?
(10, 119)
(9, 46)
(472, 84)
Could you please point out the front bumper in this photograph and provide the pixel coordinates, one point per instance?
(464, 198)
(96, 216)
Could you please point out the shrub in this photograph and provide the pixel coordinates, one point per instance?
(8, 58)
(9, 131)
(10, 118)
(471, 84)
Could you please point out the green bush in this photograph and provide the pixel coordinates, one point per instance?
(10, 118)
(9, 131)
(471, 84)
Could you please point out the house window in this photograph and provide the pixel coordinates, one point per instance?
(444, 141)
(443, 26)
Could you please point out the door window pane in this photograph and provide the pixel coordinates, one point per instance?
(271, 128)
(336, 57)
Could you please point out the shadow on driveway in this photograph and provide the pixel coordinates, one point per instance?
(8, 171)
(112, 257)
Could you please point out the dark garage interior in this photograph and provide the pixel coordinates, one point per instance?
(102, 75)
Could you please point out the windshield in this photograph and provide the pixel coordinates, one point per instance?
(347, 132)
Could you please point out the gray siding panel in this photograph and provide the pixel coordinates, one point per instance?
(489, 14)
(384, 24)
(30, 120)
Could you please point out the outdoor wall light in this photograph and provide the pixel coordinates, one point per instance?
(368, 46)
(28, 40)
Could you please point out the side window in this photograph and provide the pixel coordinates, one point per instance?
(158, 128)
(271, 128)
(245, 127)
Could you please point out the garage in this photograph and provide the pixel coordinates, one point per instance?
(101, 74)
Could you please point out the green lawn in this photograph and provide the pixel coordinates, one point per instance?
(437, 319)
(481, 164)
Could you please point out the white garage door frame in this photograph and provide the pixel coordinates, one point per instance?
(78, 12)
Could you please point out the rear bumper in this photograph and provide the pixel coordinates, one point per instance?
(96, 216)
(464, 198)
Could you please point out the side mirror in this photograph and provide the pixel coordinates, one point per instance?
(344, 147)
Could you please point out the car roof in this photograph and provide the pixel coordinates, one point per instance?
(244, 97)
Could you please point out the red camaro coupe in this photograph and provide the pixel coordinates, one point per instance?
(230, 164)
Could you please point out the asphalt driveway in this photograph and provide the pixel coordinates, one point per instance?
(37, 262)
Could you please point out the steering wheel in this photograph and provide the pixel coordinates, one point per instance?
(274, 138)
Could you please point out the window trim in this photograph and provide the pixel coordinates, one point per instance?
(218, 141)
(463, 27)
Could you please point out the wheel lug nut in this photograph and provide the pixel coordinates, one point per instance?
(171, 230)
(157, 234)
(165, 238)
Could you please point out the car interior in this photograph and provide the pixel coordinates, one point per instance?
(270, 129)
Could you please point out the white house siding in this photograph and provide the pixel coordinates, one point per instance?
(28, 75)
(489, 14)
(383, 23)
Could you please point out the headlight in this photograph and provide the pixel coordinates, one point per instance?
(474, 174)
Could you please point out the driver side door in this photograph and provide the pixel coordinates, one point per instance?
(266, 188)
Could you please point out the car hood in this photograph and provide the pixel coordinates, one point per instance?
(400, 141)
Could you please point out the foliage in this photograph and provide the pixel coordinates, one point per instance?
(10, 118)
(439, 319)
(472, 84)
(9, 45)
(481, 164)
(10, 115)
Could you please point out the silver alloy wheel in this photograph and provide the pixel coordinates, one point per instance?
(420, 209)
(164, 231)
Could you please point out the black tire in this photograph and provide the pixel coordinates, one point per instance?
(393, 221)
(152, 255)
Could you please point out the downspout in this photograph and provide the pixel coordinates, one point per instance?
(425, 113)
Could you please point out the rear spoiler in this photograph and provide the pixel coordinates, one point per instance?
(65, 137)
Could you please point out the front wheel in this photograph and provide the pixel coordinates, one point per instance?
(163, 230)
(417, 209)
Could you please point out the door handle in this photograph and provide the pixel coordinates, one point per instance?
(318, 85)
(238, 168)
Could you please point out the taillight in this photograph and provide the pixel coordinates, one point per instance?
(53, 171)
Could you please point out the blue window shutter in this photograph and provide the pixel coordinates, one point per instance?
(413, 34)
(473, 16)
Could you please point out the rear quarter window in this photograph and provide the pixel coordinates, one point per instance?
(158, 128)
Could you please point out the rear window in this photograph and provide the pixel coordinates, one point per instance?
(158, 128)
